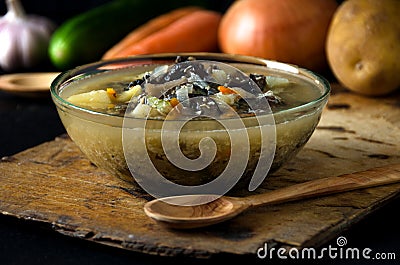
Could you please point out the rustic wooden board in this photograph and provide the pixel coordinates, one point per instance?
(55, 184)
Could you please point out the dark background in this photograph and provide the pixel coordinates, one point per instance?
(60, 10)
(26, 122)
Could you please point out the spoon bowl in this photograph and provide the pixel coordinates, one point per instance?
(183, 212)
(188, 211)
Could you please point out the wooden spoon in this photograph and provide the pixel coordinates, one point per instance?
(170, 212)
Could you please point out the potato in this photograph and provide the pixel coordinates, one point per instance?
(125, 96)
(101, 99)
(363, 46)
(97, 99)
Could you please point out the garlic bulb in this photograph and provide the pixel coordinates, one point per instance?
(24, 38)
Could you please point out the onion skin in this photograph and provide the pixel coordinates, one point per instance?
(290, 31)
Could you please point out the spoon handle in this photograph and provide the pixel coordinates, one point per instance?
(364, 179)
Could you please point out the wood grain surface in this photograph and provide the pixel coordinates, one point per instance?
(55, 184)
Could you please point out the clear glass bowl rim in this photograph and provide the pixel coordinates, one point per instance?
(219, 57)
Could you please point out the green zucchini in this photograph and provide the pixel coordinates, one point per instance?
(87, 36)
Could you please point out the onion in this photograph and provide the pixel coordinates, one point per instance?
(291, 31)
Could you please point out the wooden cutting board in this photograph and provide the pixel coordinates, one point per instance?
(55, 184)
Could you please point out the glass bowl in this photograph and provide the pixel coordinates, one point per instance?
(132, 148)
